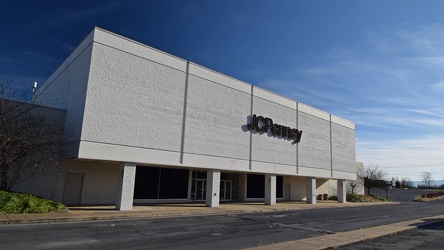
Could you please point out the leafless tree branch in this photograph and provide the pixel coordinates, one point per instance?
(30, 138)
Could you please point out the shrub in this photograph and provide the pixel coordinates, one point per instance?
(430, 195)
(356, 198)
(378, 198)
(12, 202)
(359, 198)
(333, 198)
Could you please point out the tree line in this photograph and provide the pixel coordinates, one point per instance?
(371, 176)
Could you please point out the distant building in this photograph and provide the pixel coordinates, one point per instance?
(145, 126)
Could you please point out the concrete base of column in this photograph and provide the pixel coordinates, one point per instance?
(311, 190)
(213, 188)
(270, 189)
(125, 190)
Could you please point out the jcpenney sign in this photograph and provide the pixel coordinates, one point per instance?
(264, 124)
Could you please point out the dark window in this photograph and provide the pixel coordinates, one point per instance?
(147, 183)
(279, 186)
(255, 186)
(161, 183)
(173, 183)
(199, 175)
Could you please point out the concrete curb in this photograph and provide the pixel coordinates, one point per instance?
(333, 241)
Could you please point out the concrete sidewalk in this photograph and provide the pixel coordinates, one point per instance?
(92, 213)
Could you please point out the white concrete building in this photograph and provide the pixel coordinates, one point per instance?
(145, 126)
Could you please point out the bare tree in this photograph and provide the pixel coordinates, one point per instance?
(406, 182)
(427, 178)
(356, 185)
(374, 177)
(30, 138)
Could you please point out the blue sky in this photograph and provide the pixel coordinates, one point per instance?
(376, 63)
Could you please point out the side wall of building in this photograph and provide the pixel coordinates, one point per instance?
(100, 181)
(66, 89)
(149, 107)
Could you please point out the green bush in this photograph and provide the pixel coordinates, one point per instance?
(378, 198)
(360, 198)
(364, 198)
(15, 203)
(355, 198)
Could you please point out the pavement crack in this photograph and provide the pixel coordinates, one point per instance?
(246, 218)
(300, 227)
(325, 231)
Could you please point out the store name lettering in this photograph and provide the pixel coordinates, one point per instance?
(264, 125)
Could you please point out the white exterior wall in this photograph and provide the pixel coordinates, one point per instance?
(212, 123)
(145, 106)
(297, 187)
(99, 184)
(66, 89)
(128, 102)
(325, 186)
(272, 154)
(100, 181)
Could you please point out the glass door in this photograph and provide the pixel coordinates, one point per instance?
(200, 189)
(225, 190)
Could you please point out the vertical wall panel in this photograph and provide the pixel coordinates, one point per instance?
(216, 120)
(133, 101)
(314, 148)
(269, 148)
(343, 141)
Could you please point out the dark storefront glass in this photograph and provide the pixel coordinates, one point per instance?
(279, 186)
(255, 186)
(173, 184)
(147, 183)
(161, 183)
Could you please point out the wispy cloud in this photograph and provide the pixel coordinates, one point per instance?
(40, 56)
(415, 154)
(85, 13)
(438, 86)
(390, 85)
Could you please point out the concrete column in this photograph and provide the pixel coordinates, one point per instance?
(342, 193)
(213, 188)
(311, 190)
(242, 194)
(270, 189)
(125, 191)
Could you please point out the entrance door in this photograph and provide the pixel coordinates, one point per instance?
(72, 192)
(225, 190)
(200, 189)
